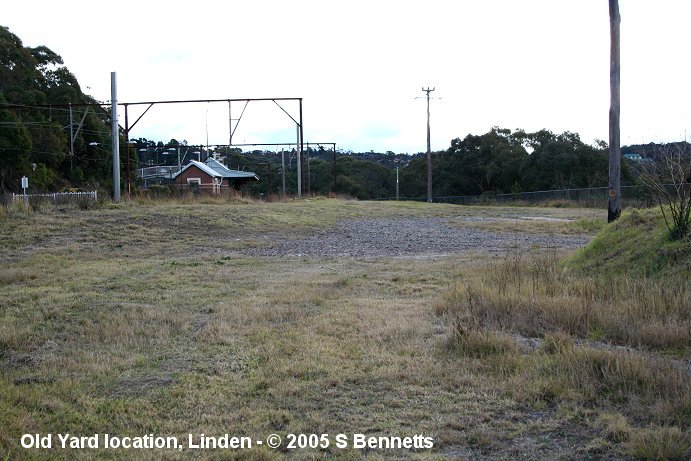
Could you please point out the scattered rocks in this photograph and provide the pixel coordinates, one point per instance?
(406, 237)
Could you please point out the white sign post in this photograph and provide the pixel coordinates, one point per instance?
(25, 186)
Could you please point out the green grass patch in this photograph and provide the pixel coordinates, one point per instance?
(638, 244)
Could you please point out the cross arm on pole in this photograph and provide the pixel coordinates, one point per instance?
(286, 112)
(247, 101)
(140, 117)
(79, 127)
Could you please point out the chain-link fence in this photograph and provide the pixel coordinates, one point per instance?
(635, 196)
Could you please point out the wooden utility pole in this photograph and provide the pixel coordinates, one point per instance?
(614, 202)
(429, 150)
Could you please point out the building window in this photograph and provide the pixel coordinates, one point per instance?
(194, 184)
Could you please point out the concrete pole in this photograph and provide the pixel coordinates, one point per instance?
(302, 138)
(116, 136)
(230, 126)
(299, 164)
(283, 169)
(309, 174)
(71, 142)
(334, 189)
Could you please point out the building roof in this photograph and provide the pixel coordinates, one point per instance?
(216, 169)
(225, 172)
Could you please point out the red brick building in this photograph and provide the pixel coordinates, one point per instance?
(211, 177)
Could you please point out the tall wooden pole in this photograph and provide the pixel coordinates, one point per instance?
(429, 150)
(614, 202)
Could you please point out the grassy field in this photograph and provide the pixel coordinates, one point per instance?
(145, 318)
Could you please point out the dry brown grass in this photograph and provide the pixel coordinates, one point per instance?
(575, 362)
(143, 318)
(534, 295)
(668, 443)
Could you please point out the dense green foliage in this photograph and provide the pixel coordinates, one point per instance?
(34, 141)
(502, 161)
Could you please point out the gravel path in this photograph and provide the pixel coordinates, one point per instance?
(407, 237)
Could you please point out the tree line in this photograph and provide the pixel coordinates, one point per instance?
(503, 161)
(497, 162)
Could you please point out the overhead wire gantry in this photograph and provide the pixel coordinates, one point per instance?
(231, 129)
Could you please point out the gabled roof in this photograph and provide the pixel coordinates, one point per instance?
(223, 170)
(216, 169)
(201, 166)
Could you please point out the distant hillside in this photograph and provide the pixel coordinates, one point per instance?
(650, 150)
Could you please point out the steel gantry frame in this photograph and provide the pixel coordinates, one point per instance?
(299, 124)
(127, 128)
(268, 164)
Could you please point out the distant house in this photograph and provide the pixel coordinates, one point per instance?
(637, 158)
(633, 157)
(211, 176)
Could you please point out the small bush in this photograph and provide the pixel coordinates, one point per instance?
(160, 190)
(661, 443)
(615, 426)
(482, 344)
(557, 343)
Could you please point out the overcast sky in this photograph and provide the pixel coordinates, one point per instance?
(360, 65)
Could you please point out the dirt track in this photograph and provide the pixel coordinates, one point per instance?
(398, 237)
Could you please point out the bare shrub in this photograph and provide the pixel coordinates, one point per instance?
(669, 179)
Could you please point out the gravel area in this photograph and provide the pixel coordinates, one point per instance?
(407, 237)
